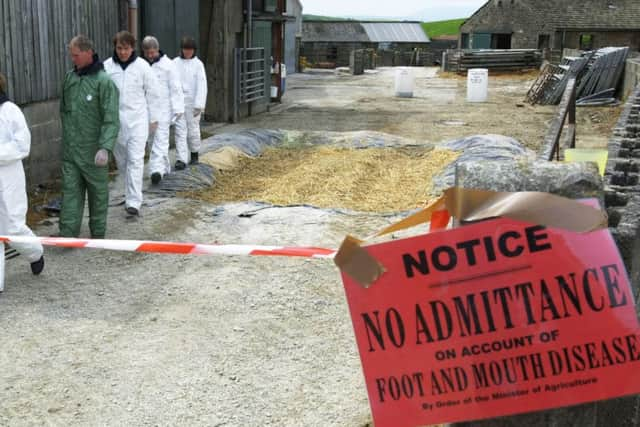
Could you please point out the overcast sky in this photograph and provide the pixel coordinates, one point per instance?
(427, 10)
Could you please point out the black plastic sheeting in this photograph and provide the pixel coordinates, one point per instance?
(201, 176)
(251, 141)
(194, 177)
(478, 148)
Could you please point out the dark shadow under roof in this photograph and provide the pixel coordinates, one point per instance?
(364, 32)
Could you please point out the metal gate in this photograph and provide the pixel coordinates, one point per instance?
(250, 71)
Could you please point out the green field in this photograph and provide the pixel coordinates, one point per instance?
(442, 28)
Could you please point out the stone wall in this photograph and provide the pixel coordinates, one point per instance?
(604, 38)
(44, 162)
(631, 75)
(337, 54)
(510, 17)
(525, 21)
(623, 191)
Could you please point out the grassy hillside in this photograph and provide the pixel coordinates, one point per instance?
(450, 27)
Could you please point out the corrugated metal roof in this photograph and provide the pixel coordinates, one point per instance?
(372, 32)
(395, 32)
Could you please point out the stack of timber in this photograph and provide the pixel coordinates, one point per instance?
(497, 60)
(597, 73)
(598, 84)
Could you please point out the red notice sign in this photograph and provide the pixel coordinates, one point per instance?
(495, 318)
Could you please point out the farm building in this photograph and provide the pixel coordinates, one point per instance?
(35, 58)
(33, 48)
(241, 51)
(293, 36)
(552, 24)
(330, 43)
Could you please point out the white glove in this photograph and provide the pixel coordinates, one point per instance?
(102, 158)
(153, 127)
(196, 112)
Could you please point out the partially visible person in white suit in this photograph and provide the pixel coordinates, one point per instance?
(171, 106)
(139, 114)
(194, 86)
(15, 143)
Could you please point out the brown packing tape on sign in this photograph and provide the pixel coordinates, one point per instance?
(475, 205)
(356, 262)
(534, 207)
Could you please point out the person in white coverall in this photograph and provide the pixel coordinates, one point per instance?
(139, 114)
(171, 106)
(194, 86)
(15, 143)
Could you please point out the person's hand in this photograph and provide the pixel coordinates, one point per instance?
(102, 158)
(153, 127)
(197, 112)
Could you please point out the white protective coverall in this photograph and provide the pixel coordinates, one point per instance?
(139, 102)
(194, 86)
(171, 104)
(15, 143)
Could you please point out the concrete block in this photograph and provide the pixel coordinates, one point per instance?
(572, 180)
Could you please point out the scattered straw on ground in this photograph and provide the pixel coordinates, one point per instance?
(373, 179)
(518, 75)
(602, 119)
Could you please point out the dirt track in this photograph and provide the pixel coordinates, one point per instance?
(325, 101)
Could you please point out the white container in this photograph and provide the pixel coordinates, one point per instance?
(404, 82)
(274, 91)
(477, 84)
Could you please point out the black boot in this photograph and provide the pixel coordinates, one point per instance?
(132, 211)
(194, 158)
(37, 266)
(156, 178)
(179, 165)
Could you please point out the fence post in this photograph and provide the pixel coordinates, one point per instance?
(572, 117)
(236, 84)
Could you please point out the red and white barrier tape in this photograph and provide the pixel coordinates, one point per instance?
(174, 248)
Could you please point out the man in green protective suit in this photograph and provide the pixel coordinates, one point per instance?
(90, 125)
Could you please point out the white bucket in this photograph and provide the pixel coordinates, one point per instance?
(477, 84)
(404, 82)
(274, 91)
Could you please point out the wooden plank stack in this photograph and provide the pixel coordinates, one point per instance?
(599, 82)
(598, 74)
(495, 60)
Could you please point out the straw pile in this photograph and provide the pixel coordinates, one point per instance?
(372, 179)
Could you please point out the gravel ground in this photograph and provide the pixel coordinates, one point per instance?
(142, 339)
(322, 100)
(108, 338)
